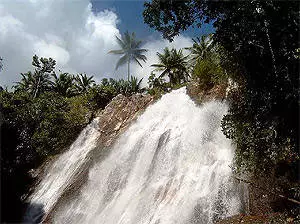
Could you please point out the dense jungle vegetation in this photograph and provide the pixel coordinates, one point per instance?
(252, 46)
(41, 117)
(259, 41)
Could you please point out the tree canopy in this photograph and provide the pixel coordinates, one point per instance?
(202, 49)
(260, 40)
(131, 51)
(173, 64)
(38, 81)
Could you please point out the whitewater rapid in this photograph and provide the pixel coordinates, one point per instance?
(171, 166)
(62, 173)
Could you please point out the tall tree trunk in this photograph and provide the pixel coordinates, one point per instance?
(261, 11)
(37, 87)
(270, 47)
(128, 69)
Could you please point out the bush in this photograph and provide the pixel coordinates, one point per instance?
(208, 73)
(259, 145)
(31, 130)
(56, 116)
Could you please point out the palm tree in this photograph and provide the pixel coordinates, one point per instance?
(202, 48)
(173, 64)
(26, 83)
(39, 81)
(131, 51)
(83, 83)
(135, 84)
(63, 84)
(34, 83)
(205, 59)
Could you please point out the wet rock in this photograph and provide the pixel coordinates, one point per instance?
(199, 94)
(118, 114)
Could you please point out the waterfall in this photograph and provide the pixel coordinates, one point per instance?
(61, 174)
(171, 166)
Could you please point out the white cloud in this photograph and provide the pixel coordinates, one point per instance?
(68, 31)
(52, 50)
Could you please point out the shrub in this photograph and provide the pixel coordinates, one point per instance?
(208, 73)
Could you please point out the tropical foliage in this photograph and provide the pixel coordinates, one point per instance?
(41, 117)
(44, 79)
(260, 44)
(100, 95)
(83, 83)
(131, 51)
(173, 64)
(205, 60)
(32, 130)
(158, 85)
(38, 81)
(202, 49)
(126, 87)
(63, 84)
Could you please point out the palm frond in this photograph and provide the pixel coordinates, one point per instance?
(122, 61)
(137, 61)
(158, 65)
(137, 50)
(120, 42)
(116, 52)
(141, 57)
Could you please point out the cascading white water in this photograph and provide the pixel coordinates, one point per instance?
(171, 166)
(62, 172)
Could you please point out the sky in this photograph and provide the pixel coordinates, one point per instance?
(78, 34)
(131, 18)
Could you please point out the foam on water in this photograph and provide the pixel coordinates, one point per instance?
(171, 166)
(62, 172)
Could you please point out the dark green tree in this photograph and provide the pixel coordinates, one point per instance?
(38, 81)
(125, 87)
(203, 48)
(205, 60)
(260, 41)
(63, 84)
(172, 63)
(32, 129)
(83, 83)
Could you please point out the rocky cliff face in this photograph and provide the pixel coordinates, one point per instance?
(200, 94)
(118, 114)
